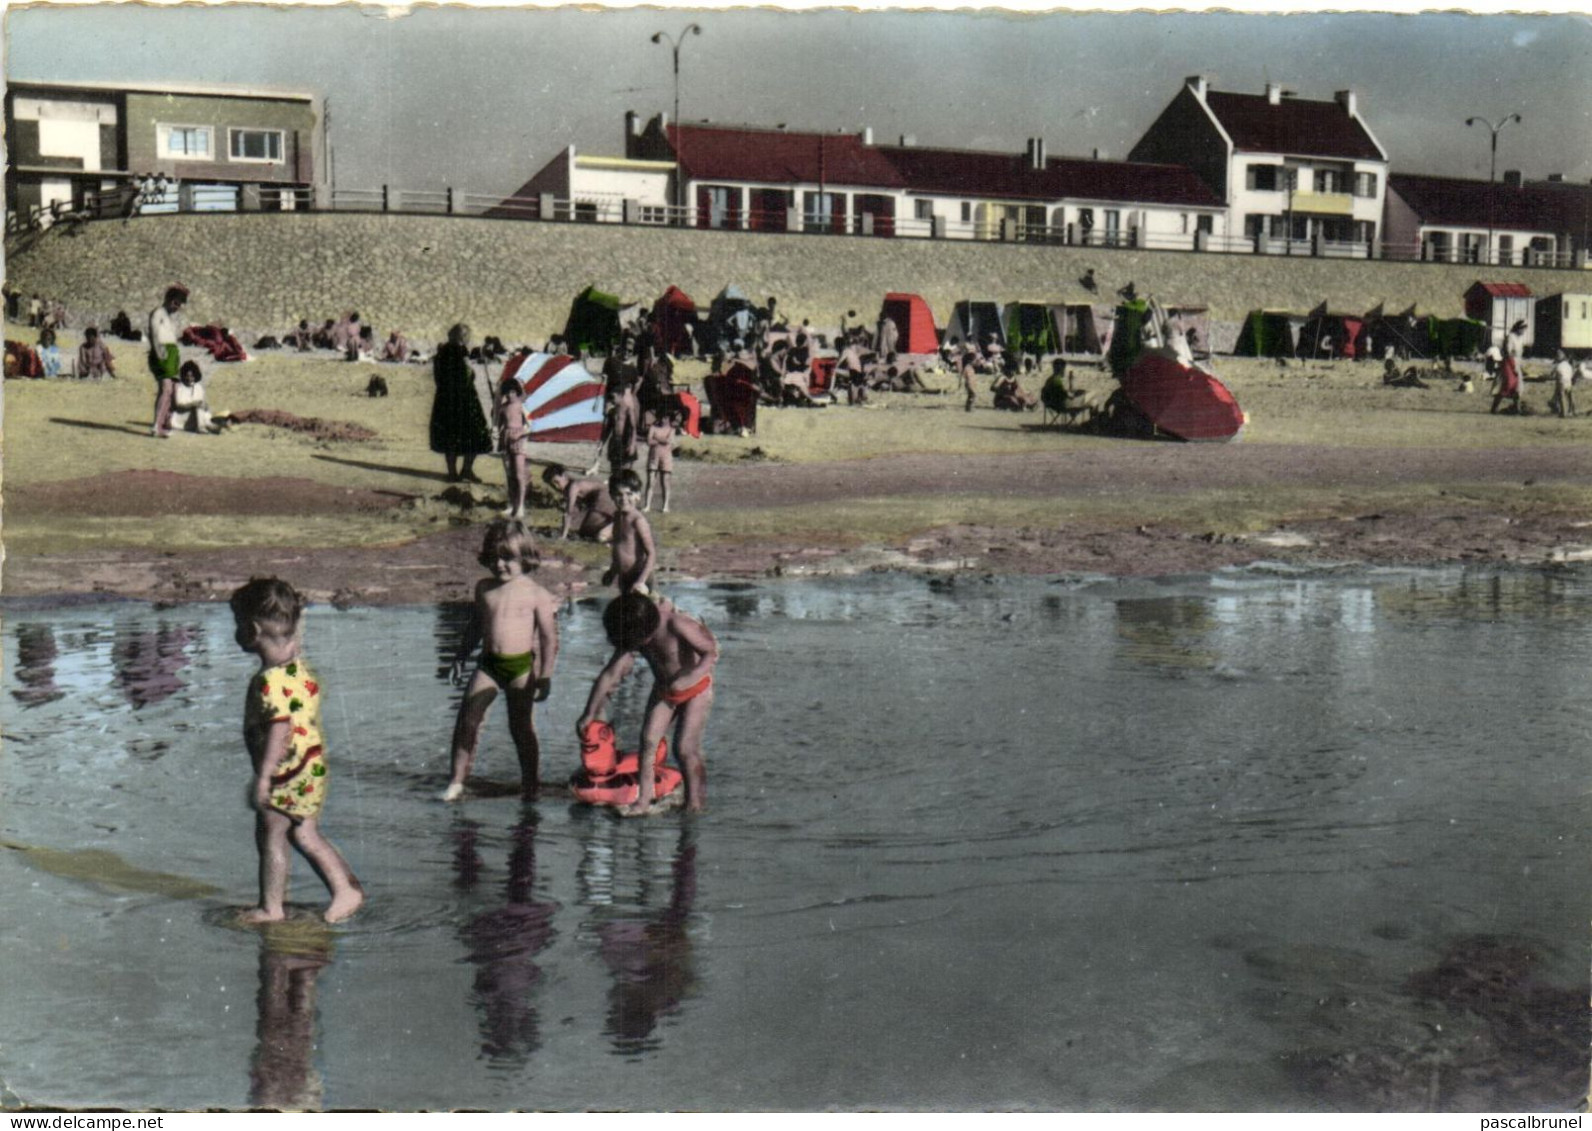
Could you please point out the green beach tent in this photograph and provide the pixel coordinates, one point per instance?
(593, 323)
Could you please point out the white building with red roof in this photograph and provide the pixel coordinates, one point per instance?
(1287, 168)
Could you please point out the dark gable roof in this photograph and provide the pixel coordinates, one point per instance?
(777, 157)
(1294, 125)
(1466, 203)
(962, 172)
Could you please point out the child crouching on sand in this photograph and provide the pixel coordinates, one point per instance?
(682, 654)
(515, 624)
(282, 730)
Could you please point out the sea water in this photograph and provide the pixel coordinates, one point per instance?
(1259, 840)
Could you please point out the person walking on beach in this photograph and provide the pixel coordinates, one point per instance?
(282, 730)
(165, 358)
(460, 410)
(682, 654)
(1509, 374)
(1563, 385)
(516, 627)
(511, 430)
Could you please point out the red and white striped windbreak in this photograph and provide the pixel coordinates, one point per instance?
(563, 400)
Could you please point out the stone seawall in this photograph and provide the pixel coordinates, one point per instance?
(263, 272)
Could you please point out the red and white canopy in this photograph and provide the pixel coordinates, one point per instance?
(563, 400)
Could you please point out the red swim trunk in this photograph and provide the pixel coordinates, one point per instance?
(690, 693)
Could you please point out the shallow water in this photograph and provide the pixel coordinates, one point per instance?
(1258, 840)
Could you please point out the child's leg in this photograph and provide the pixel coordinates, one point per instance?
(646, 490)
(478, 696)
(330, 866)
(660, 714)
(663, 478)
(271, 839)
(692, 723)
(521, 485)
(519, 698)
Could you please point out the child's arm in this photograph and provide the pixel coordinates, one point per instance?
(646, 552)
(546, 627)
(277, 741)
(569, 509)
(468, 645)
(603, 687)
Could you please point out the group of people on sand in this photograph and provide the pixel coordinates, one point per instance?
(994, 363)
(349, 338)
(181, 403)
(513, 636)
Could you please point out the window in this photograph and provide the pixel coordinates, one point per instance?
(654, 214)
(967, 212)
(923, 209)
(719, 214)
(1326, 180)
(1365, 184)
(184, 141)
(1113, 219)
(255, 145)
(1266, 178)
(819, 211)
(1206, 224)
(1506, 250)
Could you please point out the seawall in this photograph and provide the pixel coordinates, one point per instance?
(263, 272)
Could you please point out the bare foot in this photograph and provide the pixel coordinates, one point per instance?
(261, 915)
(454, 791)
(344, 905)
(665, 508)
(634, 809)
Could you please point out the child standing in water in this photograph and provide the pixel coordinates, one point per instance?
(282, 730)
(682, 654)
(660, 457)
(634, 552)
(515, 625)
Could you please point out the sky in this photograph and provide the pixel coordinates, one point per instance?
(479, 99)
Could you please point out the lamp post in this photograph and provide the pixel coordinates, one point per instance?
(1492, 169)
(675, 43)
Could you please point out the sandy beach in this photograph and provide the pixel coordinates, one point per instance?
(339, 492)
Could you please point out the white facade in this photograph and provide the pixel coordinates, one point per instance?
(1279, 196)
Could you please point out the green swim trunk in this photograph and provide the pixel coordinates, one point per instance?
(164, 366)
(504, 670)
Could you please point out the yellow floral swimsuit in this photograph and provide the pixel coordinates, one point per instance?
(289, 693)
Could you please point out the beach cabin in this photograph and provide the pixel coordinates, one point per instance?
(1405, 334)
(1086, 329)
(914, 323)
(1564, 322)
(1269, 333)
(1326, 334)
(731, 318)
(1500, 306)
(1034, 327)
(975, 322)
(1456, 337)
(671, 315)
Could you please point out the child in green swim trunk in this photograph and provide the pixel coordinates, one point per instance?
(515, 625)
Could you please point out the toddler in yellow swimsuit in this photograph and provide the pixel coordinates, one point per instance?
(515, 625)
(282, 730)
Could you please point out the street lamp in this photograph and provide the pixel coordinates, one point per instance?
(675, 43)
(1492, 170)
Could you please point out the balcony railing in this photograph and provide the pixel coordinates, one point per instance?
(127, 201)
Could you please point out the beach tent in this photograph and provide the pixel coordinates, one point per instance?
(593, 322)
(730, 317)
(1181, 401)
(1564, 322)
(1127, 337)
(563, 399)
(1085, 328)
(974, 322)
(1405, 333)
(1326, 334)
(914, 324)
(671, 314)
(1269, 333)
(732, 398)
(1033, 327)
(1457, 337)
(1196, 323)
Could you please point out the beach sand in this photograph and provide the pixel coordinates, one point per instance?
(1332, 468)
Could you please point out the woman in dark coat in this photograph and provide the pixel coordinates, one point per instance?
(459, 428)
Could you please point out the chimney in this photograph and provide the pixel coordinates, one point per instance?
(1347, 100)
(1036, 153)
(1274, 93)
(1097, 153)
(908, 140)
(867, 135)
(1556, 178)
(1512, 178)
(632, 124)
(1199, 84)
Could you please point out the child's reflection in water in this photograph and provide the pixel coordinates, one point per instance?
(503, 943)
(649, 954)
(282, 1075)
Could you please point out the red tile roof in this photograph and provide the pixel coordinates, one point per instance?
(1292, 126)
(1470, 204)
(779, 157)
(1502, 290)
(962, 172)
